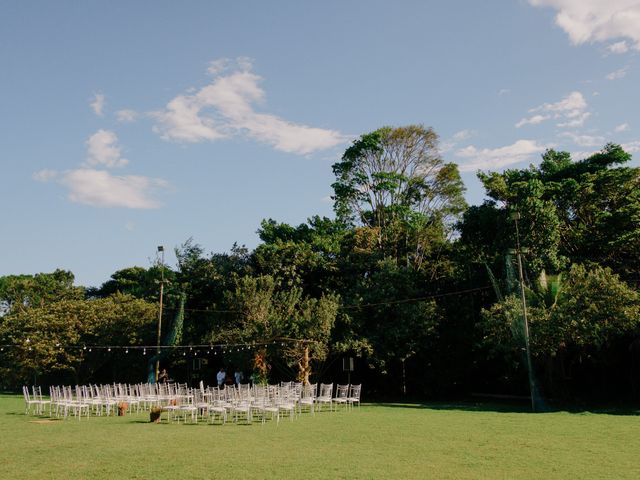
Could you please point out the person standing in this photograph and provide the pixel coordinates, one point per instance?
(163, 377)
(220, 377)
(238, 376)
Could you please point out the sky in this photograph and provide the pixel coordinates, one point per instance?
(128, 125)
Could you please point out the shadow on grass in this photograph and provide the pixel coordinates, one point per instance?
(517, 407)
(463, 406)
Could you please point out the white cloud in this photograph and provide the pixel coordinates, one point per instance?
(98, 104)
(570, 111)
(620, 73)
(623, 127)
(631, 147)
(130, 226)
(44, 175)
(488, 158)
(503, 91)
(456, 138)
(576, 121)
(581, 155)
(218, 66)
(127, 115)
(589, 21)
(463, 135)
(99, 188)
(584, 140)
(181, 122)
(534, 120)
(225, 108)
(103, 149)
(618, 47)
(569, 105)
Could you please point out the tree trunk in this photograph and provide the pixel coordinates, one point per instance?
(305, 367)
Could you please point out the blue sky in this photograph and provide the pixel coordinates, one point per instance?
(126, 125)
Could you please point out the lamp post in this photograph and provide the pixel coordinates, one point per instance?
(515, 216)
(161, 251)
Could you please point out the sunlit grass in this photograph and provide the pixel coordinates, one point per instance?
(376, 441)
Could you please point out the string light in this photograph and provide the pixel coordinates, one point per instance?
(223, 349)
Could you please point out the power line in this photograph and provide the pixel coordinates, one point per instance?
(418, 299)
(361, 305)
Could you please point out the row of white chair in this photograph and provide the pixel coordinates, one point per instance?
(242, 402)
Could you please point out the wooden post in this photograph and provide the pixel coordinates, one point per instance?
(305, 369)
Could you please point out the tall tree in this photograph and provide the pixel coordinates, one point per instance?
(19, 292)
(50, 338)
(584, 211)
(259, 312)
(394, 182)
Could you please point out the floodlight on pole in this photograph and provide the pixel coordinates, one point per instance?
(515, 216)
(159, 338)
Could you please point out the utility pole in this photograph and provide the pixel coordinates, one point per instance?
(515, 216)
(159, 340)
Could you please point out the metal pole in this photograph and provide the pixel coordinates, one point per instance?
(159, 340)
(524, 314)
(404, 379)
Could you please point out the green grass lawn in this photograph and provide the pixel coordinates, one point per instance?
(376, 441)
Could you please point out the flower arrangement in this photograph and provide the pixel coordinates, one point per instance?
(154, 414)
(122, 408)
(260, 367)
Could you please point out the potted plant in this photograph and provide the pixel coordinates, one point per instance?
(122, 408)
(154, 414)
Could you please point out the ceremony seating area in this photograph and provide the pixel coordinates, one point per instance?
(178, 403)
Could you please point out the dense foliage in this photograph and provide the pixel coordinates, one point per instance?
(419, 288)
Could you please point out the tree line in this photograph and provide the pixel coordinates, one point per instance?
(420, 288)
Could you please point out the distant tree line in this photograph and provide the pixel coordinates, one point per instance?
(421, 289)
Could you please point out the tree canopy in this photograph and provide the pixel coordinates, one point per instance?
(419, 288)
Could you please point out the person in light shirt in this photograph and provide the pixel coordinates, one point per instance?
(220, 377)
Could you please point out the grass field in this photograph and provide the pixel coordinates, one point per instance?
(377, 441)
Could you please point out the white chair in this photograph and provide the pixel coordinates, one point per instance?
(28, 401)
(342, 396)
(216, 407)
(354, 395)
(308, 398)
(286, 401)
(57, 401)
(239, 406)
(188, 405)
(325, 396)
(42, 402)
